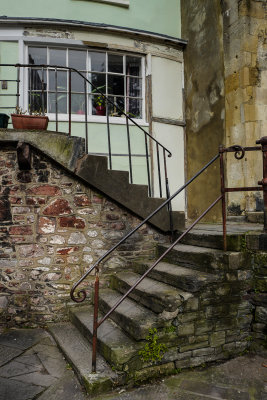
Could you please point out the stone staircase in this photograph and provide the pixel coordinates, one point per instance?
(192, 303)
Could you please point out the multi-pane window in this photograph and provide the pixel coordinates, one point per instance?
(118, 76)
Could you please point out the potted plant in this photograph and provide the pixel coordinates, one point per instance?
(99, 101)
(35, 121)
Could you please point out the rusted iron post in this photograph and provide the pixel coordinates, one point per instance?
(221, 151)
(69, 102)
(263, 182)
(95, 326)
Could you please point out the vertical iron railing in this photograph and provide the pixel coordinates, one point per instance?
(239, 154)
(69, 102)
(56, 103)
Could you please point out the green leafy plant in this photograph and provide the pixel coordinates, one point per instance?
(99, 100)
(152, 351)
(19, 111)
(170, 329)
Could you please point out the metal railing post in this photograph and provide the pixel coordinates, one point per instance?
(129, 150)
(18, 83)
(95, 325)
(221, 151)
(69, 102)
(56, 104)
(263, 182)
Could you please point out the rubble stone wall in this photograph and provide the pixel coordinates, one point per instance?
(52, 228)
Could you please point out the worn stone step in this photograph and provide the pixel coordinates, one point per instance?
(133, 318)
(202, 258)
(189, 280)
(118, 349)
(213, 239)
(211, 235)
(155, 295)
(78, 352)
(121, 176)
(115, 184)
(96, 162)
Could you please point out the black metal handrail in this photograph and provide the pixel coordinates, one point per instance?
(147, 136)
(81, 295)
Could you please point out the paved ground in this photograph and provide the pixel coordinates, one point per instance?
(31, 367)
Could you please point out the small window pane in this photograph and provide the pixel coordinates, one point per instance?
(77, 59)
(57, 57)
(61, 103)
(99, 81)
(114, 111)
(116, 84)
(115, 63)
(98, 61)
(98, 105)
(77, 83)
(78, 104)
(134, 87)
(37, 55)
(61, 81)
(134, 108)
(133, 66)
(37, 102)
(36, 76)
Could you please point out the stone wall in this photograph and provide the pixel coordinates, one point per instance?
(245, 50)
(204, 100)
(225, 97)
(52, 228)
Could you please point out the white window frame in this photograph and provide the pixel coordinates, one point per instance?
(90, 118)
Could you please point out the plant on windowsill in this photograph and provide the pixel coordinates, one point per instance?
(99, 101)
(34, 121)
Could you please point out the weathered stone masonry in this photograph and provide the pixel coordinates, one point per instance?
(52, 227)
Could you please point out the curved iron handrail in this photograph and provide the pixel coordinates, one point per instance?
(82, 294)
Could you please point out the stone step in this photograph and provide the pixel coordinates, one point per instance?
(202, 258)
(213, 239)
(186, 279)
(78, 352)
(100, 163)
(118, 349)
(121, 176)
(133, 318)
(115, 184)
(153, 294)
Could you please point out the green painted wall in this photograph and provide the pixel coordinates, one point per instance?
(150, 15)
(8, 55)
(98, 143)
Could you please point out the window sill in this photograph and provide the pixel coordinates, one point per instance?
(96, 119)
(120, 3)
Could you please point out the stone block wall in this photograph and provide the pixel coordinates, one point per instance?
(52, 228)
(245, 50)
(214, 326)
(258, 299)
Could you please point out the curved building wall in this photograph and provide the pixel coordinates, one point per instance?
(149, 15)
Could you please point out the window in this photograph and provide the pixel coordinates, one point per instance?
(118, 76)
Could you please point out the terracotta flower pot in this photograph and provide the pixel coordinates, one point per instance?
(22, 121)
(100, 110)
